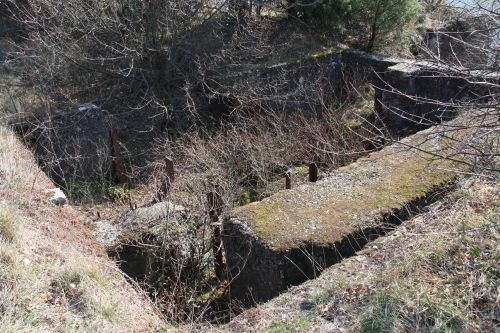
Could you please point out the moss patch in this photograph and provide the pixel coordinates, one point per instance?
(353, 198)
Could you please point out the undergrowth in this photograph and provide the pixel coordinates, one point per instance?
(446, 282)
(8, 227)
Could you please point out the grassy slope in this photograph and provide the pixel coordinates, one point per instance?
(53, 275)
(436, 273)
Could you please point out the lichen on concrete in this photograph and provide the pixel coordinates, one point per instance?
(291, 236)
(353, 197)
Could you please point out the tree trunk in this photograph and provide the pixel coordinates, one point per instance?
(373, 37)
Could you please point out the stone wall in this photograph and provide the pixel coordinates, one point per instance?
(460, 42)
(7, 27)
(413, 95)
(410, 95)
(259, 273)
(71, 144)
(298, 84)
(255, 271)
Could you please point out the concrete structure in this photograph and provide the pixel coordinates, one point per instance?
(291, 236)
(71, 144)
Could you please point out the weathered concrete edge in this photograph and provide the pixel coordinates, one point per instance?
(259, 272)
(133, 224)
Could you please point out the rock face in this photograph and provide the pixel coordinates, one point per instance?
(291, 236)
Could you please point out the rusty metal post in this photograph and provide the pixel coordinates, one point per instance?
(130, 203)
(170, 172)
(215, 205)
(116, 161)
(313, 172)
(167, 180)
(288, 181)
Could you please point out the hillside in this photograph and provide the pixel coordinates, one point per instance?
(436, 272)
(54, 277)
(278, 166)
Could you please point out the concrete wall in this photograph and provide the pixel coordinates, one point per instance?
(71, 144)
(410, 95)
(259, 273)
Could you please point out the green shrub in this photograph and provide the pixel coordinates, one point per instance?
(381, 21)
(374, 22)
(96, 189)
(327, 13)
(117, 192)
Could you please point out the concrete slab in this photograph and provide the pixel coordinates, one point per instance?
(291, 236)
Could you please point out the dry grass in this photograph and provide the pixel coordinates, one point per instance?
(53, 276)
(447, 283)
(8, 227)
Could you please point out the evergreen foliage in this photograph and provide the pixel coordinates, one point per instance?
(375, 21)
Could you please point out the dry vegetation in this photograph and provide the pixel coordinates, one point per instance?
(158, 65)
(53, 275)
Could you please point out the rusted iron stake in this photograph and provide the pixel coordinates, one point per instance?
(169, 168)
(116, 161)
(215, 205)
(130, 203)
(167, 181)
(313, 172)
(288, 181)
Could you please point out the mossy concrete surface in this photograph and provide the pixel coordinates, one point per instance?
(415, 279)
(353, 197)
(348, 206)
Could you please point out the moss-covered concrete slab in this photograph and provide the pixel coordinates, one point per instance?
(382, 286)
(290, 236)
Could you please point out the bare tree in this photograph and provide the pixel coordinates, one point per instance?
(466, 49)
(120, 54)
